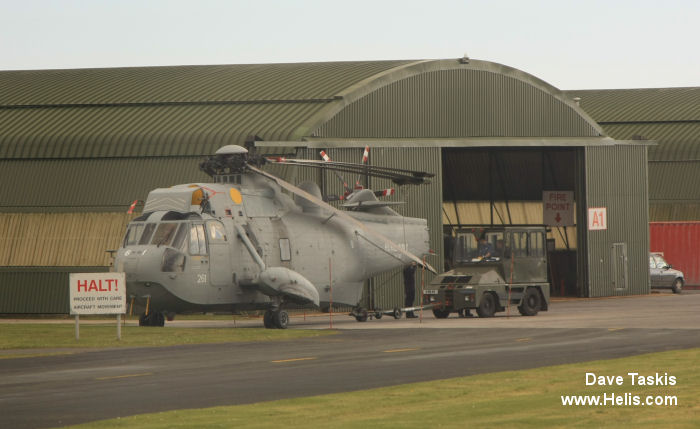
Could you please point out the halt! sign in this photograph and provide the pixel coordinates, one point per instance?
(558, 208)
(97, 293)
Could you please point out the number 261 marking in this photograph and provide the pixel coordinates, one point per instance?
(201, 278)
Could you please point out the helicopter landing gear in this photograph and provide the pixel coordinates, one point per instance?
(276, 319)
(280, 319)
(361, 314)
(267, 319)
(154, 318)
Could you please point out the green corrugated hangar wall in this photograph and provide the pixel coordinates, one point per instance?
(670, 117)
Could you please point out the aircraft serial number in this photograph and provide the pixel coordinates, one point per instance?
(201, 278)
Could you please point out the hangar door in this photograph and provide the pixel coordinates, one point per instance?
(504, 186)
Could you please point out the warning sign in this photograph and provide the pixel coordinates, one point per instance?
(97, 293)
(558, 208)
(597, 218)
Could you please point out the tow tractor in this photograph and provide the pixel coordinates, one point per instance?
(494, 267)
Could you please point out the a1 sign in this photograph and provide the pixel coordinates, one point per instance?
(597, 218)
(558, 208)
(97, 293)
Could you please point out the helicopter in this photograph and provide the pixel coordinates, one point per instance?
(252, 241)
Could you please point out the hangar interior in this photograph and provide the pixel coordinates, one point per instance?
(81, 145)
(504, 186)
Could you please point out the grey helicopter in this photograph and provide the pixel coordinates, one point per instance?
(243, 243)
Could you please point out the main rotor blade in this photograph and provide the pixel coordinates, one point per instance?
(368, 231)
(397, 175)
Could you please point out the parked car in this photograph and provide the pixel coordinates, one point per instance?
(662, 274)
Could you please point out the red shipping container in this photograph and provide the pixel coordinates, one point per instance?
(680, 244)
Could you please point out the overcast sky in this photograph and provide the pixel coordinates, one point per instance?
(570, 44)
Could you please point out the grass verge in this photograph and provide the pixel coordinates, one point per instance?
(528, 399)
(57, 336)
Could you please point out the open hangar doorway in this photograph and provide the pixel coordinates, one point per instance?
(504, 186)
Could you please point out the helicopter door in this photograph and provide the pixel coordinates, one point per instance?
(199, 256)
(219, 259)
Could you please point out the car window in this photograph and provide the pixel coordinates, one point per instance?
(657, 261)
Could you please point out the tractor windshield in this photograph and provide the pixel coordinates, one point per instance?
(478, 245)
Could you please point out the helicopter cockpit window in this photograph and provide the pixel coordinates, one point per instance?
(132, 234)
(217, 233)
(147, 233)
(180, 242)
(164, 234)
(198, 240)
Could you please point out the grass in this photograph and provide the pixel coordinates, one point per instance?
(527, 399)
(59, 336)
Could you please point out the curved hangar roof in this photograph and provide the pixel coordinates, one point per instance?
(193, 110)
(669, 116)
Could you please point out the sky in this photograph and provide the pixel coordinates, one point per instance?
(591, 44)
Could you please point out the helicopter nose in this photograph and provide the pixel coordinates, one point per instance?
(139, 262)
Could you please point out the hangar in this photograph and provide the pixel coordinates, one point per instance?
(671, 118)
(78, 146)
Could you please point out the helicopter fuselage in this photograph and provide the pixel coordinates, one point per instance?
(242, 244)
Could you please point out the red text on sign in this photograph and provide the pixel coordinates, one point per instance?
(106, 285)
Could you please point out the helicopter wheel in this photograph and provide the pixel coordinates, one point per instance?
(280, 319)
(267, 319)
(155, 318)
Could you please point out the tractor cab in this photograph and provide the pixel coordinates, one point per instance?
(493, 267)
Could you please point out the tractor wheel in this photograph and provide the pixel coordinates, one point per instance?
(532, 302)
(441, 313)
(361, 315)
(487, 307)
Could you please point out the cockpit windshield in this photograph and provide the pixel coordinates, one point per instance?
(160, 234)
(133, 233)
(147, 233)
(164, 234)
